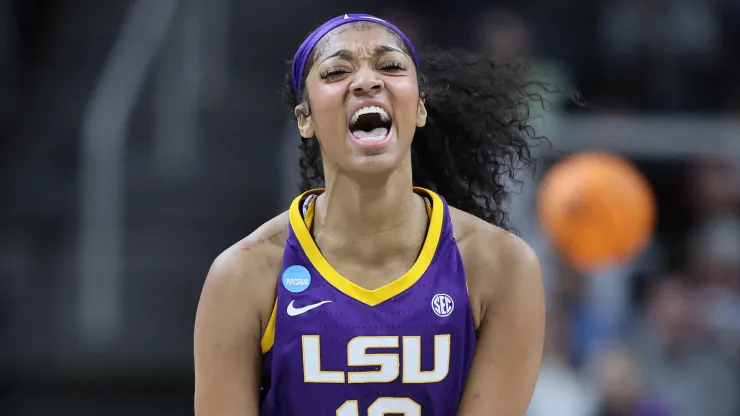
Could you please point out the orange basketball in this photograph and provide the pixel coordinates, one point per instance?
(597, 209)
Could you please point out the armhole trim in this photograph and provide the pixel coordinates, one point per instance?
(268, 338)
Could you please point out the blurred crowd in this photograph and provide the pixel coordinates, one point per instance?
(658, 337)
(623, 55)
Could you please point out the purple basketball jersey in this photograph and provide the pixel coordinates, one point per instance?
(334, 348)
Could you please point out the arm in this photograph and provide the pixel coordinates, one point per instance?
(510, 334)
(234, 309)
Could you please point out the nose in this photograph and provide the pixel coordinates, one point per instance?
(366, 82)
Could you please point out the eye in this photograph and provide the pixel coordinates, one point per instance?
(332, 73)
(392, 66)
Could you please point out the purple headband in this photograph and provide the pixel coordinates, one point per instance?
(304, 52)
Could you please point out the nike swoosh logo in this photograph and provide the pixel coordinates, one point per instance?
(293, 311)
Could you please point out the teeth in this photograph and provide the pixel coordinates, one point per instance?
(368, 110)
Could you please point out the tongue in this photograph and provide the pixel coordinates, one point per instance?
(379, 132)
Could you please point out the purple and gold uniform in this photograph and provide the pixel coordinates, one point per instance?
(334, 348)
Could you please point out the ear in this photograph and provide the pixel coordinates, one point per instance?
(421, 113)
(303, 115)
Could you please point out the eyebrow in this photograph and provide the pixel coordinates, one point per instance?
(346, 54)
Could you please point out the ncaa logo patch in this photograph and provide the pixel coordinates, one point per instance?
(296, 279)
(442, 305)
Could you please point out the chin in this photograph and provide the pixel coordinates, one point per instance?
(380, 157)
(378, 165)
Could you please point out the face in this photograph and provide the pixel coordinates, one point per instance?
(364, 104)
(621, 380)
(673, 313)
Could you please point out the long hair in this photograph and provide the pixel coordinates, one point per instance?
(478, 132)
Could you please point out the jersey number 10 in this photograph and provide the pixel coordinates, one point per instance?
(381, 407)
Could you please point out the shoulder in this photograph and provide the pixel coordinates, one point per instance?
(249, 268)
(497, 262)
(486, 246)
(262, 249)
(234, 309)
(263, 244)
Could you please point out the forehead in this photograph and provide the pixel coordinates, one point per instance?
(356, 37)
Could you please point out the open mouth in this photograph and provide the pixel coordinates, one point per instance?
(370, 124)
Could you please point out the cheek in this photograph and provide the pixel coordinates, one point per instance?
(407, 100)
(327, 108)
(408, 90)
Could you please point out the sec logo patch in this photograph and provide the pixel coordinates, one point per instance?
(442, 305)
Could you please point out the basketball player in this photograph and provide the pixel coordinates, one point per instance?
(371, 297)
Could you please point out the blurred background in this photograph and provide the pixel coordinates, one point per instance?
(140, 138)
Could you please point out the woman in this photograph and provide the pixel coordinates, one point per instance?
(372, 296)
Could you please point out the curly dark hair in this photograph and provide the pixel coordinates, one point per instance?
(478, 130)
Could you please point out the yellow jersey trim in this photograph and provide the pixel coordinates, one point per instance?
(268, 338)
(344, 285)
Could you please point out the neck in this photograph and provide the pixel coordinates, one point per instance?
(371, 222)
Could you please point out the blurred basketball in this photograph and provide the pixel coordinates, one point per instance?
(597, 209)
